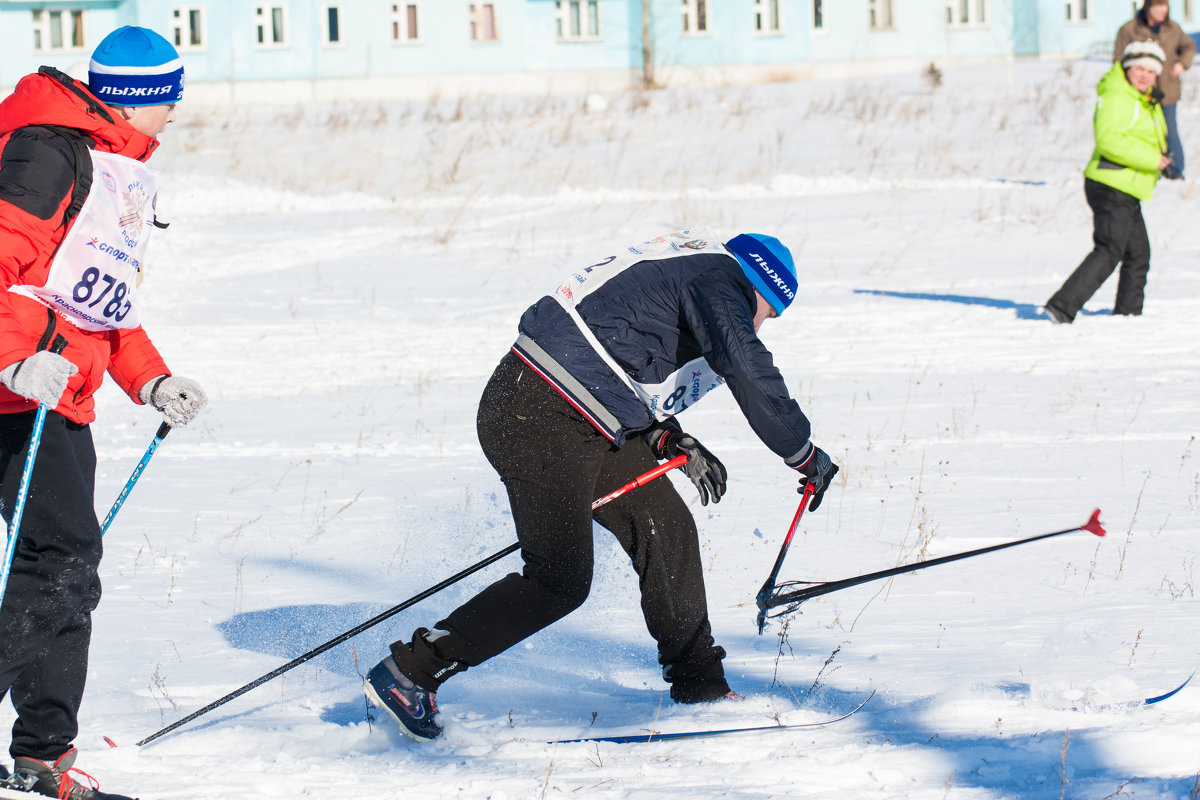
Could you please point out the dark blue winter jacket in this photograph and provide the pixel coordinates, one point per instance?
(652, 319)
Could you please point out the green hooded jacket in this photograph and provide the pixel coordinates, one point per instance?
(1131, 136)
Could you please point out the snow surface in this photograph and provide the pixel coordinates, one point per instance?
(343, 278)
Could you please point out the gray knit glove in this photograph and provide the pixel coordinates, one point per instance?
(42, 377)
(179, 399)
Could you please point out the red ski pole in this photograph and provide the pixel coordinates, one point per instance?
(768, 587)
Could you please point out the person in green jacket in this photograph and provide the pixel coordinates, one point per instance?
(1129, 157)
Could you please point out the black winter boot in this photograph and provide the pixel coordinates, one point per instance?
(56, 780)
(410, 705)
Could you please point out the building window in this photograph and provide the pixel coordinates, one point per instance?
(57, 31)
(1077, 11)
(331, 26)
(695, 16)
(880, 12)
(766, 16)
(577, 19)
(271, 25)
(483, 22)
(818, 18)
(187, 27)
(964, 13)
(406, 22)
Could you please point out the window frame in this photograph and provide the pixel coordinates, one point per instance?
(816, 20)
(588, 12)
(401, 23)
(1085, 12)
(977, 16)
(326, 40)
(876, 8)
(183, 31)
(264, 26)
(697, 11)
(763, 13)
(478, 17)
(41, 28)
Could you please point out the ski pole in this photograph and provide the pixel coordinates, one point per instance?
(641, 480)
(163, 430)
(35, 442)
(793, 599)
(768, 587)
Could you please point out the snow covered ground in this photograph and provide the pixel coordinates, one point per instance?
(343, 279)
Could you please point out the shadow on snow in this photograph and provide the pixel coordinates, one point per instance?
(1022, 310)
(601, 684)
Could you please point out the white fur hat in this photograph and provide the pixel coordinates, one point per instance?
(1147, 55)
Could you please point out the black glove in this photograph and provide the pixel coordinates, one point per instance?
(703, 469)
(818, 470)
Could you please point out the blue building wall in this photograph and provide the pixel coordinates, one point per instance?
(1094, 36)
(1026, 28)
(528, 45)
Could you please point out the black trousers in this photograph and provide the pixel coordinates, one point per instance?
(1119, 237)
(554, 464)
(45, 622)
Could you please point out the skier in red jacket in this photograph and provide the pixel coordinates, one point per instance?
(76, 211)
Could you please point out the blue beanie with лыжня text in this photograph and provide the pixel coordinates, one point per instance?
(136, 67)
(769, 266)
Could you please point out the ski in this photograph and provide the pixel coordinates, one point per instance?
(8, 793)
(1133, 705)
(1152, 700)
(656, 736)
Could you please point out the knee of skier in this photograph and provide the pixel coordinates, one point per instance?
(568, 585)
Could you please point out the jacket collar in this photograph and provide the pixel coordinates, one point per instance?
(50, 97)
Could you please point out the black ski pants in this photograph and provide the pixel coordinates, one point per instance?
(1119, 236)
(554, 463)
(45, 622)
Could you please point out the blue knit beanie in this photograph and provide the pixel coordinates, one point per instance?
(136, 67)
(768, 265)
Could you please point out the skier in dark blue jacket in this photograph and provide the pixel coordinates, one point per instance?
(583, 403)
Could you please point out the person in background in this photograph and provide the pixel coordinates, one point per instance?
(76, 212)
(582, 404)
(1124, 168)
(1154, 23)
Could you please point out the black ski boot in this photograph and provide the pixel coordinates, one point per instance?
(413, 707)
(38, 777)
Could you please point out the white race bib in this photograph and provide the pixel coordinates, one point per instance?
(692, 380)
(93, 275)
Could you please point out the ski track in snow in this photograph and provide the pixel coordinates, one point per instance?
(342, 279)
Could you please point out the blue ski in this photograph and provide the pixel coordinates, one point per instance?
(1152, 700)
(1133, 705)
(655, 736)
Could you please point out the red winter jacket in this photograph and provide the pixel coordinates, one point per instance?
(37, 174)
